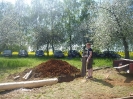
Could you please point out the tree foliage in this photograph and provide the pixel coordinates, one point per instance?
(114, 25)
(53, 24)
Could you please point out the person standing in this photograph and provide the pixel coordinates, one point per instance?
(89, 61)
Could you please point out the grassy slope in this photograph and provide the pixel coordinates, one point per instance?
(76, 89)
(14, 64)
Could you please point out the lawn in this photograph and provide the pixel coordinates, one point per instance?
(99, 88)
(15, 64)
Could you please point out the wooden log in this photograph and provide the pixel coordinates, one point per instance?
(28, 84)
(27, 76)
(83, 69)
(122, 66)
(127, 60)
(16, 77)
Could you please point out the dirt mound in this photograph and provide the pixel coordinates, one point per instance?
(51, 68)
(54, 68)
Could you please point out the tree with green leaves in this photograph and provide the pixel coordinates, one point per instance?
(113, 26)
(46, 27)
(86, 18)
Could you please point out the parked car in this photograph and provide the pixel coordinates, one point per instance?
(39, 53)
(58, 54)
(98, 54)
(73, 53)
(7, 53)
(111, 54)
(23, 53)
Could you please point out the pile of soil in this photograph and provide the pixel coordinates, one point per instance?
(51, 68)
(55, 68)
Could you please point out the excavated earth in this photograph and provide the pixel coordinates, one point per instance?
(49, 69)
(107, 83)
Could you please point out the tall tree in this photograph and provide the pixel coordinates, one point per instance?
(70, 20)
(47, 22)
(87, 17)
(114, 25)
(8, 26)
(21, 13)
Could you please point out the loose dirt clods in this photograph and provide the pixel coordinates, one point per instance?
(115, 86)
(50, 68)
(54, 68)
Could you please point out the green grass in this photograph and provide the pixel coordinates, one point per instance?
(15, 64)
(29, 62)
(97, 62)
(103, 62)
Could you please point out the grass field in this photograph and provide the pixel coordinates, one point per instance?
(14, 64)
(100, 88)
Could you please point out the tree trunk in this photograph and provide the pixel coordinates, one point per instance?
(37, 47)
(70, 42)
(52, 46)
(47, 48)
(126, 48)
(125, 43)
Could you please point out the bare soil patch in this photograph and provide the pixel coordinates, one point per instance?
(127, 80)
(117, 78)
(52, 68)
(106, 84)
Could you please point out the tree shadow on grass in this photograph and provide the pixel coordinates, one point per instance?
(102, 82)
